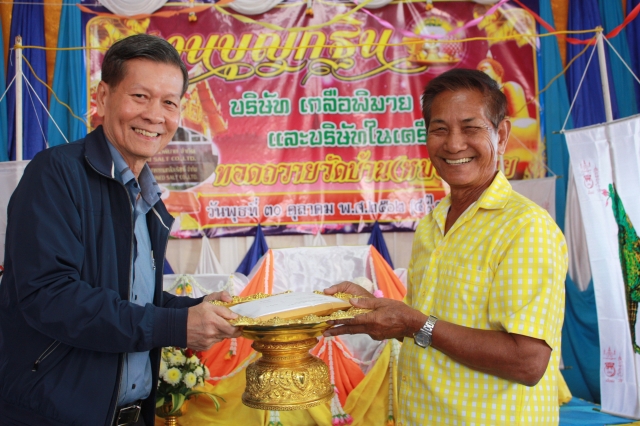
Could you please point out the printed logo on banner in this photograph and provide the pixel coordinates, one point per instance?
(613, 366)
(588, 178)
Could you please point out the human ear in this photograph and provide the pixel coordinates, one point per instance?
(504, 129)
(101, 97)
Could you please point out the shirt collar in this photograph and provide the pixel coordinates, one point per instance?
(493, 198)
(149, 189)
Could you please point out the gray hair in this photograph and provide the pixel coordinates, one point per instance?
(140, 46)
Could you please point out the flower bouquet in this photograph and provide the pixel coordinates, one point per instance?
(181, 373)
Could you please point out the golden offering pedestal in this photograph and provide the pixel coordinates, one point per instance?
(287, 377)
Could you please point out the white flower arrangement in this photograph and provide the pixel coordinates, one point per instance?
(181, 372)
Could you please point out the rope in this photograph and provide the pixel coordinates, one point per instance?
(54, 95)
(623, 61)
(48, 113)
(575, 97)
(8, 87)
(330, 46)
(34, 107)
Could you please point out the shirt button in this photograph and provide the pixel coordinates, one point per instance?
(404, 378)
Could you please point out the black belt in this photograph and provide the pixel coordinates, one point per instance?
(128, 415)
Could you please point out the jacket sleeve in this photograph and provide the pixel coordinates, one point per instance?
(48, 260)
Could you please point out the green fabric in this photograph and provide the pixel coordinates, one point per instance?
(629, 259)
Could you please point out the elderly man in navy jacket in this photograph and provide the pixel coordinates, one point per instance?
(82, 311)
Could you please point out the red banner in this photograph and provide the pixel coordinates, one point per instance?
(323, 125)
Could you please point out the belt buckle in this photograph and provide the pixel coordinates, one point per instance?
(128, 415)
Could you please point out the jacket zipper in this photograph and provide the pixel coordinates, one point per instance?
(115, 408)
(52, 347)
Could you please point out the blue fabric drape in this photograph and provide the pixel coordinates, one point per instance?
(167, 269)
(69, 82)
(611, 13)
(377, 240)
(633, 38)
(256, 251)
(555, 106)
(4, 153)
(580, 343)
(28, 22)
(589, 106)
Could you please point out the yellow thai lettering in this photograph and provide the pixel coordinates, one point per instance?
(343, 47)
(285, 51)
(374, 47)
(319, 39)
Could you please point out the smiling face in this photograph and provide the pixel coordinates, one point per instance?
(463, 144)
(141, 113)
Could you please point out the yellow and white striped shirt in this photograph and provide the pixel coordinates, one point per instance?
(501, 266)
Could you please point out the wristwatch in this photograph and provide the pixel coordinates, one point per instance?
(423, 337)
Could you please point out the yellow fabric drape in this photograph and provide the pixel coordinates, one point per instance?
(368, 403)
(52, 11)
(564, 394)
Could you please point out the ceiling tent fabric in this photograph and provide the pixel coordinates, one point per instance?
(253, 7)
(132, 7)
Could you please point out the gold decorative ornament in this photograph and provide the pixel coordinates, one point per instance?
(287, 377)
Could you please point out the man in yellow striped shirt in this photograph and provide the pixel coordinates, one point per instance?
(482, 319)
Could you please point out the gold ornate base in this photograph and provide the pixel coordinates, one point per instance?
(287, 377)
(171, 421)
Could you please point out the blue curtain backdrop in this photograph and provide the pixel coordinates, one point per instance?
(555, 106)
(28, 21)
(69, 82)
(611, 12)
(589, 107)
(377, 240)
(633, 38)
(581, 357)
(581, 344)
(167, 269)
(4, 153)
(256, 251)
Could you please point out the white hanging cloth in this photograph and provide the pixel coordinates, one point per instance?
(619, 364)
(132, 7)
(208, 263)
(579, 268)
(10, 175)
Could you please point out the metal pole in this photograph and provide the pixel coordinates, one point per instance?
(18, 47)
(604, 78)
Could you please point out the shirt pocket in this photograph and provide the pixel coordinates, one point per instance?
(462, 295)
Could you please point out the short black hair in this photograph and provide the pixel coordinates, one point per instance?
(495, 101)
(140, 46)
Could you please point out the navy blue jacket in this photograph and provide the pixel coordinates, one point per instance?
(65, 318)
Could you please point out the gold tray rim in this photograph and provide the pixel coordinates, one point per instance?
(278, 322)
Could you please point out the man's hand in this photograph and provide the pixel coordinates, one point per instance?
(389, 319)
(218, 295)
(349, 288)
(207, 324)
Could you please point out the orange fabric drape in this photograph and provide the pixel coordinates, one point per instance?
(561, 18)
(347, 374)
(52, 12)
(387, 280)
(6, 10)
(217, 357)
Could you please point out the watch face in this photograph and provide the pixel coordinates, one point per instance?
(422, 339)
